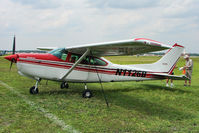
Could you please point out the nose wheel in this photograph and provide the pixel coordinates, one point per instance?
(87, 93)
(34, 89)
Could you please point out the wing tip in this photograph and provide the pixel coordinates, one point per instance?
(46, 48)
(153, 42)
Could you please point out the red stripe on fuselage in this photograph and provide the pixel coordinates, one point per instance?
(67, 66)
(46, 56)
(52, 61)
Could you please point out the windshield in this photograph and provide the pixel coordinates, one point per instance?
(61, 53)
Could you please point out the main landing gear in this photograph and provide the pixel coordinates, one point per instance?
(64, 85)
(34, 89)
(87, 93)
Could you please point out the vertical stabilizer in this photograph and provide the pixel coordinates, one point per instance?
(168, 61)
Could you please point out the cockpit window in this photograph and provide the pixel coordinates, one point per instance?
(61, 53)
(89, 60)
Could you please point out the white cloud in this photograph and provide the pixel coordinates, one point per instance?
(27, 19)
(178, 8)
(38, 4)
(58, 23)
(125, 4)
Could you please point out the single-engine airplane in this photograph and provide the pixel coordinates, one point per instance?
(85, 64)
(2, 53)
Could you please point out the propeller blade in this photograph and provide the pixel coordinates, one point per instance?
(11, 65)
(12, 61)
(13, 49)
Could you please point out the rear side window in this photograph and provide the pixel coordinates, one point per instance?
(89, 60)
(97, 61)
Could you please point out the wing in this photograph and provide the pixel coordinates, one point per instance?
(124, 47)
(46, 48)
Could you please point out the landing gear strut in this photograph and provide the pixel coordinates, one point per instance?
(34, 89)
(87, 93)
(64, 85)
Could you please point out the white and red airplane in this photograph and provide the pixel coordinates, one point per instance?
(85, 64)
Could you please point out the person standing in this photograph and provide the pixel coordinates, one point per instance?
(188, 67)
(167, 83)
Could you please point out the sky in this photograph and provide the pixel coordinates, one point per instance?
(62, 23)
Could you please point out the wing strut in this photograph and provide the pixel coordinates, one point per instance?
(76, 63)
(100, 81)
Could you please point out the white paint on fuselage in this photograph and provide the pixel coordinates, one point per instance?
(53, 73)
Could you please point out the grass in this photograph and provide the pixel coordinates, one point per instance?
(134, 106)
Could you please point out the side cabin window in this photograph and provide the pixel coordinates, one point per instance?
(74, 58)
(61, 53)
(89, 60)
(97, 61)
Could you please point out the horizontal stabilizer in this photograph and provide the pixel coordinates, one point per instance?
(168, 76)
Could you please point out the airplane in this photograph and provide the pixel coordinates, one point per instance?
(85, 63)
(2, 53)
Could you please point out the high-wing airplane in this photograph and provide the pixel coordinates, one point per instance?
(2, 53)
(85, 64)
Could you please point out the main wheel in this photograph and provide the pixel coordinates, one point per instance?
(33, 90)
(64, 85)
(87, 94)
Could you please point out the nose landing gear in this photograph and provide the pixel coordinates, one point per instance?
(34, 89)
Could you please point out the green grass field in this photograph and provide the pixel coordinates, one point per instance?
(135, 107)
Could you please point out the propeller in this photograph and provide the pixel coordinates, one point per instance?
(13, 59)
(13, 48)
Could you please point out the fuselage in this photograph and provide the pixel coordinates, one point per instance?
(55, 64)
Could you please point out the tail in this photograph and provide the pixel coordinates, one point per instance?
(168, 62)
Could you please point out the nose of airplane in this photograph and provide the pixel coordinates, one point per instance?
(11, 57)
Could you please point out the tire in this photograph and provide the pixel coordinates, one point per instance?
(64, 85)
(33, 91)
(87, 94)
